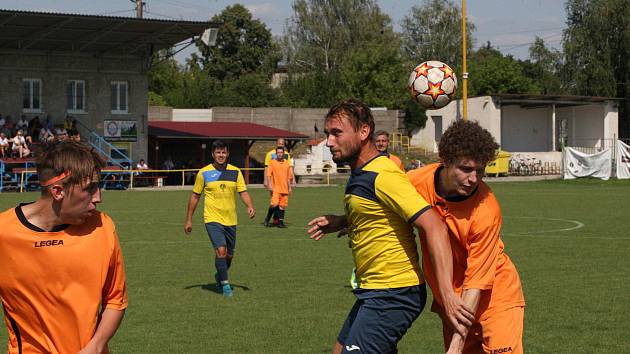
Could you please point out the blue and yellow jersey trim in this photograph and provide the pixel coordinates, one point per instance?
(219, 188)
(380, 205)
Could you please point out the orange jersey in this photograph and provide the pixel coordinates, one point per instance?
(396, 161)
(474, 225)
(280, 173)
(54, 284)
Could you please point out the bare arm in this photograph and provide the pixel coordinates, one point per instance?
(326, 224)
(110, 321)
(266, 178)
(190, 211)
(247, 200)
(441, 257)
(471, 299)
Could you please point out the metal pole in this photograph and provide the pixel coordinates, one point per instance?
(464, 68)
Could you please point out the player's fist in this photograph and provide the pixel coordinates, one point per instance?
(188, 227)
(251, 212)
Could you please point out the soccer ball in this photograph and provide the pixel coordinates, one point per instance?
(432, 84)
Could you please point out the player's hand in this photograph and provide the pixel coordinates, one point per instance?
(188, 227)
(458, 314)
(324, 225)
(457, 344)
(251, 212)
(92, 348)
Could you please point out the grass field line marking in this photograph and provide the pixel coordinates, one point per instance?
(576, 225)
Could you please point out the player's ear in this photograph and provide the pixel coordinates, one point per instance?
(57, 191)
(364, 131)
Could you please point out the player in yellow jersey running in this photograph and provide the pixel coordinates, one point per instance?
(381, 207)
(219, 182)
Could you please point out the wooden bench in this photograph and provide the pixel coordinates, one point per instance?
(151, 179)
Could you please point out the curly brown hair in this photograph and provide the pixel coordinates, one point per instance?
(466, 139)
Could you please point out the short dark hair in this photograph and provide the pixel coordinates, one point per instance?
(381, 132)
(466, 139)
(280, 147)
(78, 159)
(219, 144)
(357, 112)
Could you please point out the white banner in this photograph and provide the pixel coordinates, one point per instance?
(578, 164)
(623, 160)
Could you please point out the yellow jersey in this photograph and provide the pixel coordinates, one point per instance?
(219, 188)
(380, 205)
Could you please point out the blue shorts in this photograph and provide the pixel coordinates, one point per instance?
(380, 318)
(222, 236)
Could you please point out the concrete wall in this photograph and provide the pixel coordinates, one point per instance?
(526, 129)
(482, 109)
(301, 120)
(592, 126)
(54, 71)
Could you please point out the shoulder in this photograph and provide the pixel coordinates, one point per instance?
(206, 168)
(423, 174)
(233, 168)
(488, 210)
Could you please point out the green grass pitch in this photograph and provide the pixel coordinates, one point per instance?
(569, 241)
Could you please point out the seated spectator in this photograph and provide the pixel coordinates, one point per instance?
(22, 124)
(74, 135)
(35, 127)
(45, 135)
(168, 164)
(4, 145)
(61, 134)
(70, 123)
(49, 123)
(141, 165)
(19, 145)
(9, 127)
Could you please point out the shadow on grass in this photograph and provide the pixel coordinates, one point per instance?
(215, 289)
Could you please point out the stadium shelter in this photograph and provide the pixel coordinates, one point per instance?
(92, 68)
(192, 140)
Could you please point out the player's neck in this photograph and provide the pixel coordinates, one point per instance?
(368, 152)
(43, 214)
(445, 189)
(220, 166)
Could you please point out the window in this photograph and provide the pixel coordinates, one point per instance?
(119, 97)
(76, 96)
(32, 95)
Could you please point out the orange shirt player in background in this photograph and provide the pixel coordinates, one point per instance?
(62, 279)
(483, 274)
(381, 140)
(279, 177)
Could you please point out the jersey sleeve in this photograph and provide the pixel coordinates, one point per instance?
(269, 168)
(115, 289)
(240, 183)
(395, 191)
(268, 158)
(483, 249)
(199, 183)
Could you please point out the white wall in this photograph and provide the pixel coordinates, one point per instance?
(526, 129)
(482, 109)
(192, 115)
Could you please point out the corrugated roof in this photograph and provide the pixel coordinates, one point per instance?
(57, 32)
(219, 130)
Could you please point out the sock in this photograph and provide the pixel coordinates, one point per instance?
(222, 269)
(228, 260)
(280, 215)
(270, 213)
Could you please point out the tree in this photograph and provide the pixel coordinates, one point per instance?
(244, 46)
(596, 47)
(493, 73)
(322, 33)
(543, 67)
(433, 31)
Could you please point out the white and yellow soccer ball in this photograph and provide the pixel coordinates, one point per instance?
(433, 84)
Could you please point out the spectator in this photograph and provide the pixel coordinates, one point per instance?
(141, 165)
(19, 145)
(9, 126)
(2, 121)
(35, 126)
(4, 145)
(74, 135)
(168, 164)
(45, 135)
(61, 134)
(49, 123)
(22, 124)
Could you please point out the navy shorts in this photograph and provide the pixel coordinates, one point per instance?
(380, 318)
(222, 236)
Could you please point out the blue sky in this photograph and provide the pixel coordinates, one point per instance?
(510, 25)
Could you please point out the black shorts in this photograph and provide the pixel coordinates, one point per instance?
(222, 236)
(380, 318)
